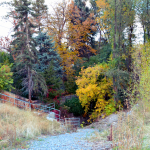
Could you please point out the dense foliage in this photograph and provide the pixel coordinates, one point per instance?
(53, 81)
(47, 53)
(24, 50)
(74, 106)
(95, 86)
(5, 77)
(57, 53)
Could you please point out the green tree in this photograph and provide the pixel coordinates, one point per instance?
(24, 49)
(116, 17)
(47, 53)
(6, 75)
(53, 81)
(143, 11)
(5, 58)
(41, 9)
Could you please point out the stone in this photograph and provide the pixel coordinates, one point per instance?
(51, 119)
(51, 115)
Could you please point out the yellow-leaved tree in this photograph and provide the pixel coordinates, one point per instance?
(95, 86)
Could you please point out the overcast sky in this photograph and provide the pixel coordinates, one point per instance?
(6, 26)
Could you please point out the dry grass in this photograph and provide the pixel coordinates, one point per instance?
(18, 125)
(131, 131)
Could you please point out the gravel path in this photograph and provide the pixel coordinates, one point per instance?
(72, 141)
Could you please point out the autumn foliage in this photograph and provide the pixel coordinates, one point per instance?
(94, 85)
(79, 31)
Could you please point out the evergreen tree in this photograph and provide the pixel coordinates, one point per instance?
(41, 9)
(94, 7)
(47, 53)
(53, 81)
(84, 10)
(24, 49)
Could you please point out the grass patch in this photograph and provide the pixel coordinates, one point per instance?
(98, 136)
(131, 132)
(18, 126)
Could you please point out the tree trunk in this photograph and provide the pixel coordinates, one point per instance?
(29, 84)
(100, 37)
(130, 46)
(144, 35)
(28, 47)
(114, 56)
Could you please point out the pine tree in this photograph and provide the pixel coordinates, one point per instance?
(47, 53)
(41, 9)
(24, 48)
(53, 81)
(84, 10)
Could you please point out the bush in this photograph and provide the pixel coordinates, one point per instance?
(5, 58)
(70, 86)
(95, 87)
(5, 77)
(75, 106)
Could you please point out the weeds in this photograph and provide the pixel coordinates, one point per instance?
(18, 126)
(131, 131)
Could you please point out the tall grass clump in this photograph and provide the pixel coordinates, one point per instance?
(17, 125)
(132, 131)
(128, 133)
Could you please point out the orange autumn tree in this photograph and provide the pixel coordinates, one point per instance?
(57, 28)
(56, 22)
(95, 87)
(71, 35)
(72, 40)
(56, 25)
(80, 31)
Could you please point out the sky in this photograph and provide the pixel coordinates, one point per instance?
(7, 30)
(6, 26)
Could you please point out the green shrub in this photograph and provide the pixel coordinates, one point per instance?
(75, 106)
(70, 85)
(6, 77)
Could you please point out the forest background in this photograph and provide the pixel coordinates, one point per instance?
(55, 54)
